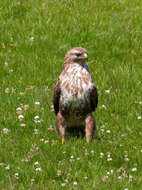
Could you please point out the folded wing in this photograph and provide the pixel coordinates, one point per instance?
(93, 98)
(56, 97)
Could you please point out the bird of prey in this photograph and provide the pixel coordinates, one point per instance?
(75, 96)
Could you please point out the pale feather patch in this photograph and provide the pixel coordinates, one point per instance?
(75, 76)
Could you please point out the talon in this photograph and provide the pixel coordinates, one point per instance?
(63, 140)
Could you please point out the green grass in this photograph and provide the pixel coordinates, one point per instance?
(111, 31)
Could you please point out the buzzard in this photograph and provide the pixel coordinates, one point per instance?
(75, 95)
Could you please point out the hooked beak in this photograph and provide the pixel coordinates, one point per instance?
(85, 56)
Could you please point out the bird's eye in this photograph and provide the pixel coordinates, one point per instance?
(78, 54)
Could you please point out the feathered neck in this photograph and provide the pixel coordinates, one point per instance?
(68, 64)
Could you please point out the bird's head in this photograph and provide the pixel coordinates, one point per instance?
(76, 55)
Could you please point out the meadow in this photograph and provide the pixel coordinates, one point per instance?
(34, 37)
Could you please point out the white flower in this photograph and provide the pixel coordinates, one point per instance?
(101, 154)
(72, 157)
(75, 182)
(134, 169)
(23, 125)
(5, 130)
(7, 167)
(38, 169)
(119, 177)
(16, 174)
(37, 103)
(46, 141)
(36, 131)
(78, 158)
(139, 117)
(37, 121)
(21, 93)
(107, 91)
(125, 188)
(111, 171)
(7, 90)
(126, 159)
(109, 159)
(6, 64)
(11, 71)
(36, 163)
(20, 117)
(32, 39)
(123, 135)
(107, 131)
(108, 155)
(63, 184)
(103, 106)
(36, 117)
(18, 109)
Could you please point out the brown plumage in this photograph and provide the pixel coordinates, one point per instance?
(75, 95)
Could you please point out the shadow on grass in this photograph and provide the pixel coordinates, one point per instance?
(79, 133)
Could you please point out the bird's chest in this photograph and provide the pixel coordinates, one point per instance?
(76, 85)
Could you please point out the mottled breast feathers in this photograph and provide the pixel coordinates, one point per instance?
(75, 90)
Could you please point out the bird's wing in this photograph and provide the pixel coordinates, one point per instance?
(56, 97)
(93, 98)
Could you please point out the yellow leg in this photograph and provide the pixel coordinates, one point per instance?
(63, 140)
